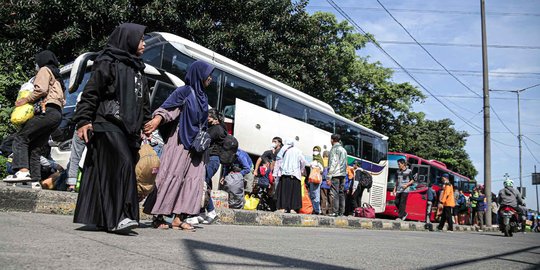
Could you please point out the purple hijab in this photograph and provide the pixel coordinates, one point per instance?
(195, 107)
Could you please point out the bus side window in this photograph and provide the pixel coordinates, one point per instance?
(290, 108)
(152, 56)
(320, 120)
(367, 148)
(235, 87)
(160, 92)
(212, 91)
(175, 61)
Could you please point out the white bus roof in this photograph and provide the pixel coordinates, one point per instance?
(197, 51)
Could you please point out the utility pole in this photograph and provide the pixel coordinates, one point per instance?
(487, 135)
(537, 208)
(520, 150)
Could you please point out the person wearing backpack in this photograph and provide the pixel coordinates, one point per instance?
(217, 132)
(362, 181)
(179, 180)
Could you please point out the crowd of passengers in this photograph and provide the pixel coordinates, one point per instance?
(113, 119)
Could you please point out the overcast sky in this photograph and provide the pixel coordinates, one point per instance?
(514, 63)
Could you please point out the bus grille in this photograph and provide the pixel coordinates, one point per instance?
(377, 198)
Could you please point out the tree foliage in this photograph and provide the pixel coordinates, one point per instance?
(314, 53)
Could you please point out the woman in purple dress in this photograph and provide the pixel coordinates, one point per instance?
(179, 182)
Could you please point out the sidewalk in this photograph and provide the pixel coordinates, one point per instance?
(63, 203)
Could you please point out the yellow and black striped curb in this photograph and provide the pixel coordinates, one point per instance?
(63, 203)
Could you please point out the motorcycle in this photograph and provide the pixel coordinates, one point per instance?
(510, 221)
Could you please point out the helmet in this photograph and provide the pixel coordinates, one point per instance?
(508, 183)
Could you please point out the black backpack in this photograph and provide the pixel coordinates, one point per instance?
(365, 179)
(228, 150)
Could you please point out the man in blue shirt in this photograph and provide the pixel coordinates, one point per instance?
(242, 163)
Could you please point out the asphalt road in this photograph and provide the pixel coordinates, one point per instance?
(38, 241)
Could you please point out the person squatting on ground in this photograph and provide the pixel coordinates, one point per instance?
(114, 105)
(448, 203)
(401, 190)
(182, 170)
(315, 188)
(337, 169)
(290, 165)
(34, 134)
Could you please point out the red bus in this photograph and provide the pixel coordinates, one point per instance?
(425, 172)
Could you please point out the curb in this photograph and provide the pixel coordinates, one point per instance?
(63, 203)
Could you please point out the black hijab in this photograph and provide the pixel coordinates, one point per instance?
(123, 43)
(126, 66)
(47, 59)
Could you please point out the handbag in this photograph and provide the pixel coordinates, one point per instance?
(315, 176)
(202, 140)
(366, 211)
(251, 202)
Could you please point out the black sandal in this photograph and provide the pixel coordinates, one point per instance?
(158, 222)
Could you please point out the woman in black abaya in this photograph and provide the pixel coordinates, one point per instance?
(113, 108)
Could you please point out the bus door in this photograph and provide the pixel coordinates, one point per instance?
(417, 197)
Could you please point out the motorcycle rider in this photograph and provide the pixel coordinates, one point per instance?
(509, 196)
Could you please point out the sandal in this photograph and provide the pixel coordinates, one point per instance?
(184, 226)
(159, 222)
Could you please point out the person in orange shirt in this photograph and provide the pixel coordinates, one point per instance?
(448, 202)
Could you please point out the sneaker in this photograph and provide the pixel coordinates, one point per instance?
(398, 219)
(18, 177)
(192, 221)
(125, 225)
(200, 218)
(212, 214)
(36, 185)
(211, 217)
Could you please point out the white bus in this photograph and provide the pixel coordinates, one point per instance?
(258, 108)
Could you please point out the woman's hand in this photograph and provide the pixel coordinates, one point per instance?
(83, 132)
(152, 125)
(21, 102)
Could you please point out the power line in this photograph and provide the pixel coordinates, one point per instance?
(356, 26)
(491, 73)
(465, 97)
(423, 48)
(475, 74)
(500, 120)
(436, 11)
(531, 140)
(530, 152)
(497, 46)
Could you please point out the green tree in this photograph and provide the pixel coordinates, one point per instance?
(314, 53)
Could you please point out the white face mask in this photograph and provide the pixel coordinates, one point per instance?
(273, 145)
(316, 153)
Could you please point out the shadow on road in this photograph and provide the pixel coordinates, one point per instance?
(260, 260)
(492, 257)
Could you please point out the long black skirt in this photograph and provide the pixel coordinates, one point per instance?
(108, 191)
(289, 193)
